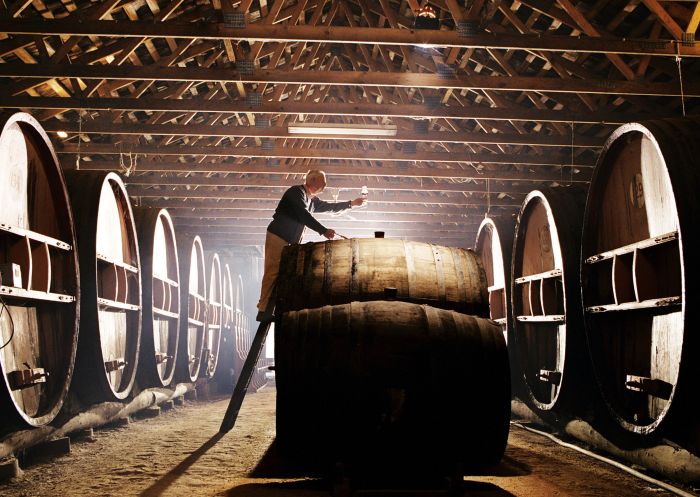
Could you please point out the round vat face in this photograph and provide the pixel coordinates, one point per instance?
(39, 289)
(539, 302)
(490, 248)
(633, 277)
(215, 308)
(118, 286)
(194, 302)
(161, 297)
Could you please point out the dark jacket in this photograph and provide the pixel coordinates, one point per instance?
(293, 213)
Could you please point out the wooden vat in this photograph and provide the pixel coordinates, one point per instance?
(39, 310)
(160, 280)
(342, 271)
(547, 318)
(225, 375)
(193, 308)
(494, 246)
(215, 316)
(388, 382)
(639, 269)
(110, 321)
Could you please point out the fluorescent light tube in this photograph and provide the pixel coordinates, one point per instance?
(341, 129)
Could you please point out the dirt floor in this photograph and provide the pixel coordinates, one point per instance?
(180, 454)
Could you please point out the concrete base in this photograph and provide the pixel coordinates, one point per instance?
(669, 461)
(45, 450)
(149, 412)
(86, 435)
(9, 468)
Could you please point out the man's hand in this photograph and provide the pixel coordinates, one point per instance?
(358, 202)
(330, 234)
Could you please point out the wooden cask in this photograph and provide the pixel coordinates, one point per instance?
(160, 280)
(39, 287)
(494, 246)
(225, 375)
(640, 273)
(215, 316)
(342, 271)
(548, 332)
(388, 381)
(193, 308)
(110, 320)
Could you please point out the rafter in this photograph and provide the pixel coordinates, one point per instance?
(551, 159)
(407, 80)
(533, 139)
(345, 109)
(340, 34)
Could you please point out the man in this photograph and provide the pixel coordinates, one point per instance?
(292, 215)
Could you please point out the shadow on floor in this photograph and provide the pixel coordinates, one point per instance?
(162, 484)
(275, 464)
(320, 488)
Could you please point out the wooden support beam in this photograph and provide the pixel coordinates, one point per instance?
(388, 169)
(230, 200)
(664, 18)
(470, 213)
(550, 159)
(533, 139)
(417, 111)
(347, 35)
(390, 190)
(345, 78)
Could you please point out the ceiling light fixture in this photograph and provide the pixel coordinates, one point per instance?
(341, 129)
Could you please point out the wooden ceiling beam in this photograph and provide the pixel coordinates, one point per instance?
(469, 213)
(549, 159)
(379, 202)
(221, 200)
(340, 223)
(343, 34)
(389, 169)
(533, 139)
(150, 104)
(390, 190)
(311, 77)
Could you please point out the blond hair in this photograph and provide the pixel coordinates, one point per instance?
(315, 176)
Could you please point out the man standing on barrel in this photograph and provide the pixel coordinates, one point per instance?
(291, 217)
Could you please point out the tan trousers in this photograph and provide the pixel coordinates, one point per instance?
(273, 253)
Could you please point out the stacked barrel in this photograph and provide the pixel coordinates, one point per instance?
(383, 355)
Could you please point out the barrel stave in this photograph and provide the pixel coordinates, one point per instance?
(338, 272)
(394, 378)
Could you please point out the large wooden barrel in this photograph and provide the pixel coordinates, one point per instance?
(494, 246)
(160, 280)
(215, 316)
(193, 308)
(640, 273)
(39, 298)
(389, 381)
(342, 271)
(547, 318)
(110, 320)
(225, 375)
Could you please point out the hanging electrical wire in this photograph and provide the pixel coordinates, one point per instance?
(680, 77)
